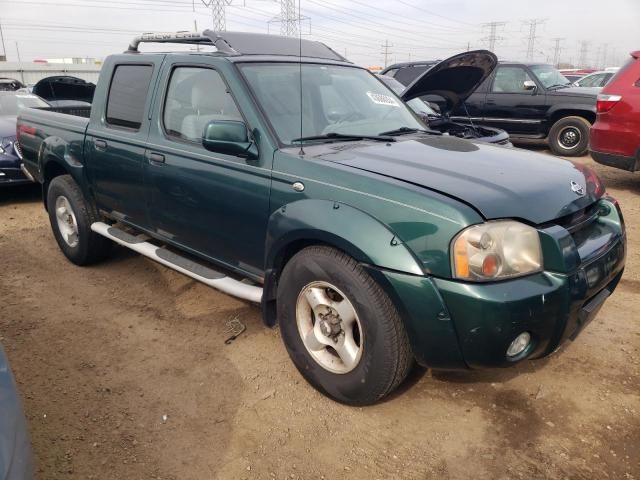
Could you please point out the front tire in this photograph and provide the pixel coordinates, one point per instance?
(340, 328)
(569, 136)
(71, 217)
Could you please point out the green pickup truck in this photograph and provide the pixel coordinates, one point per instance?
(276, 171)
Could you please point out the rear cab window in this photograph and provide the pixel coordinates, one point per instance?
(128, 95)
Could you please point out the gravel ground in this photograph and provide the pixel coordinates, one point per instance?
(125, 375)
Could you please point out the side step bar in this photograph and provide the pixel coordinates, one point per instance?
(195, 270)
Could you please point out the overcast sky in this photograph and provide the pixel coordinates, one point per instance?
(414, 29)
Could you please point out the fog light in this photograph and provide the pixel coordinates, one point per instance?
(519, 344)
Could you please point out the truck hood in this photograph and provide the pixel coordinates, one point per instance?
(65, 87)
(453, 79)
(498, 182)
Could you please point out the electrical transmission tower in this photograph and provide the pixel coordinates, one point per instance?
(289, 19)
(556, 51)
(531, 41)
(385, 52)
(493, 29)
(605, 47)
(584, 52)
(218, 13)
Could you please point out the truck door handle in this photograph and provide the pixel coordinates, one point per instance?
(156, 158)
(100, 144)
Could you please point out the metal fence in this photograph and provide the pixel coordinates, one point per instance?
(30, 73)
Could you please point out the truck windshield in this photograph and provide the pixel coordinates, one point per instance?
(11, 103)
(336, 100)
(549, 76)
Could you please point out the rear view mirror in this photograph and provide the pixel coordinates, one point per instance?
(530, 85)
(229, 137)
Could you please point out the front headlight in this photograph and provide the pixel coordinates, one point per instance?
(6, 146)
(495, 251)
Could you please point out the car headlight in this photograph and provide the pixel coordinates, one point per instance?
(496, 250)
(5, 147)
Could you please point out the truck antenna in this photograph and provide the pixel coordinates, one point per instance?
(301, 152)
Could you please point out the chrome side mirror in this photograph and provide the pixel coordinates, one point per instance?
(530, 86)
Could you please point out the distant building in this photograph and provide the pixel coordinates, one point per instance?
(72, 61)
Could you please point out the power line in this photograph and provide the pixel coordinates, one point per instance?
(493, 29)
(531, 40)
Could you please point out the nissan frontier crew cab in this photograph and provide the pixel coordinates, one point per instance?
(276, 171)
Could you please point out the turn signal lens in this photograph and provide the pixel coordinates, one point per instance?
(496, 250)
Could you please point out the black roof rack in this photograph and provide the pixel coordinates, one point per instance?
(241, 43)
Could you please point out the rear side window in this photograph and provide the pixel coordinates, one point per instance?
(128, 94)
(407, 75)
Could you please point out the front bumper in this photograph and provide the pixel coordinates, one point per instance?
(13, 176)
(457, 325)
(552, 307)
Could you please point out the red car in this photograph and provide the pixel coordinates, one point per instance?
(615, 137)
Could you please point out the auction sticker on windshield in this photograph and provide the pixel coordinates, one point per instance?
(382, 99)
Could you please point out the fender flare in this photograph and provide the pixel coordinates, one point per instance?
(571, 108)
(60, 154)
(307, 222)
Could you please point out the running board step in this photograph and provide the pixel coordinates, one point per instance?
(195, 270)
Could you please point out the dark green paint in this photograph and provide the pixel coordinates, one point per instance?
(395, 207)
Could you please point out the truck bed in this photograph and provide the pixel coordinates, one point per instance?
(61, 128)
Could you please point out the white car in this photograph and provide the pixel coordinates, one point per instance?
(595, 79)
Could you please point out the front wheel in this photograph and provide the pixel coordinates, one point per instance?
(71, 217)
(569, 136)
(340, 328)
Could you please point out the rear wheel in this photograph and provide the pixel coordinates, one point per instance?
(71, 217)
(569, 136)
(340, 328)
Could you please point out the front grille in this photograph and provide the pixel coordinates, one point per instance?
(17, 149)
(579, 220)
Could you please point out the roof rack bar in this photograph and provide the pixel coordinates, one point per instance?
(191, 38)
(242, 43)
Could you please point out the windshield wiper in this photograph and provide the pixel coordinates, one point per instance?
(407, 130)
(344, 137)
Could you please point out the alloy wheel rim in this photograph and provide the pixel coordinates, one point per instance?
(67, 223)
(329, 327)
(569, 137)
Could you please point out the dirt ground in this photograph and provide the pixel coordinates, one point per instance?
(125, 375)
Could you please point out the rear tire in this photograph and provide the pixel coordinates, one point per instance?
(71, 217)
(348, 340)
(569, 136)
